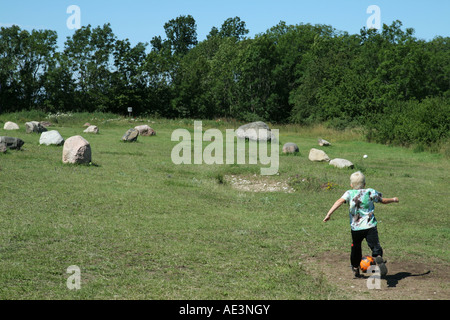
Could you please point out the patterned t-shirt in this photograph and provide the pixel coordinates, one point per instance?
(362, 207)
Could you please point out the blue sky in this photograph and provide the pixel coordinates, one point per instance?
(140, 20)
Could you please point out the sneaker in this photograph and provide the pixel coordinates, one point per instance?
(356, 272)
(382, 265)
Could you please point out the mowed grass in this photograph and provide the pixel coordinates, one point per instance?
(140, 227)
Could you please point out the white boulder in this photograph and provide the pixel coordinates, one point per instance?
(52, 137)
(341, 163)
(10, 126)
(91, 129)
(318, 155)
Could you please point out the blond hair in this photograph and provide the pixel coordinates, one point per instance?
(358, 180)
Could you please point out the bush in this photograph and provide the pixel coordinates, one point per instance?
(24, 116)
(412, 122)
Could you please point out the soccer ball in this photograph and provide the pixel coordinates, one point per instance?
(366, 262)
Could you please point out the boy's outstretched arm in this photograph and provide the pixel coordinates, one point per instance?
(336, 206)
(389, 200)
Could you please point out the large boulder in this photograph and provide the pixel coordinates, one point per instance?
(10, 126)
(12, 143)
(341, 163)
(290, 147)
(52, 137)
(131, 135)
(34, 127)
(77, 150)
(145, 130)
(91, 129)
(318, 155)
(257, 131)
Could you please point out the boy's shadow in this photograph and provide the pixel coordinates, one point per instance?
(392, 280)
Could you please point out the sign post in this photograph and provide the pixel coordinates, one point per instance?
(130, 111)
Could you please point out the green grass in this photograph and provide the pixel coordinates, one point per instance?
(140, 227)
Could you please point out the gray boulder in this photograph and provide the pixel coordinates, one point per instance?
(76, 150)
(131, 135)
(34, 127)
(12, 143)
(51, 138)
(318, 155)
(290, 147)
(257, 131)
(341, 163)
(323, 143)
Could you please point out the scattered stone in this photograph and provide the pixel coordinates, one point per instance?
(257, 131)
(10, 126)
(341, 163)
(76, 150)
(318, 155)
(131, 135)
(290, 147)
(52, 137)
(323, 143)
(91, 129)
(145, 130)
(3, 147)
(12, 143)
(34, 127)
(46, 123)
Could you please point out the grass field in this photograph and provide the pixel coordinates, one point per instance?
(140, 227)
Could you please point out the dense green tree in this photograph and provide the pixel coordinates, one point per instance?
(24, 59)
(89, 53)
(233, 28)
(181, 34)
(128, 88)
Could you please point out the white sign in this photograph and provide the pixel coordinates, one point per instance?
(130, 110)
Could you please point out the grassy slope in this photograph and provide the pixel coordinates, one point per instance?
(140, 227)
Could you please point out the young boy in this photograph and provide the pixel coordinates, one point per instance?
(362, 220)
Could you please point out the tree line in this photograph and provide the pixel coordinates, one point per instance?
(395, 85)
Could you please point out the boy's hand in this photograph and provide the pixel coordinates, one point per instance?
(336, 205)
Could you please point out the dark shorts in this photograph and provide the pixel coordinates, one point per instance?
(371, 236)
